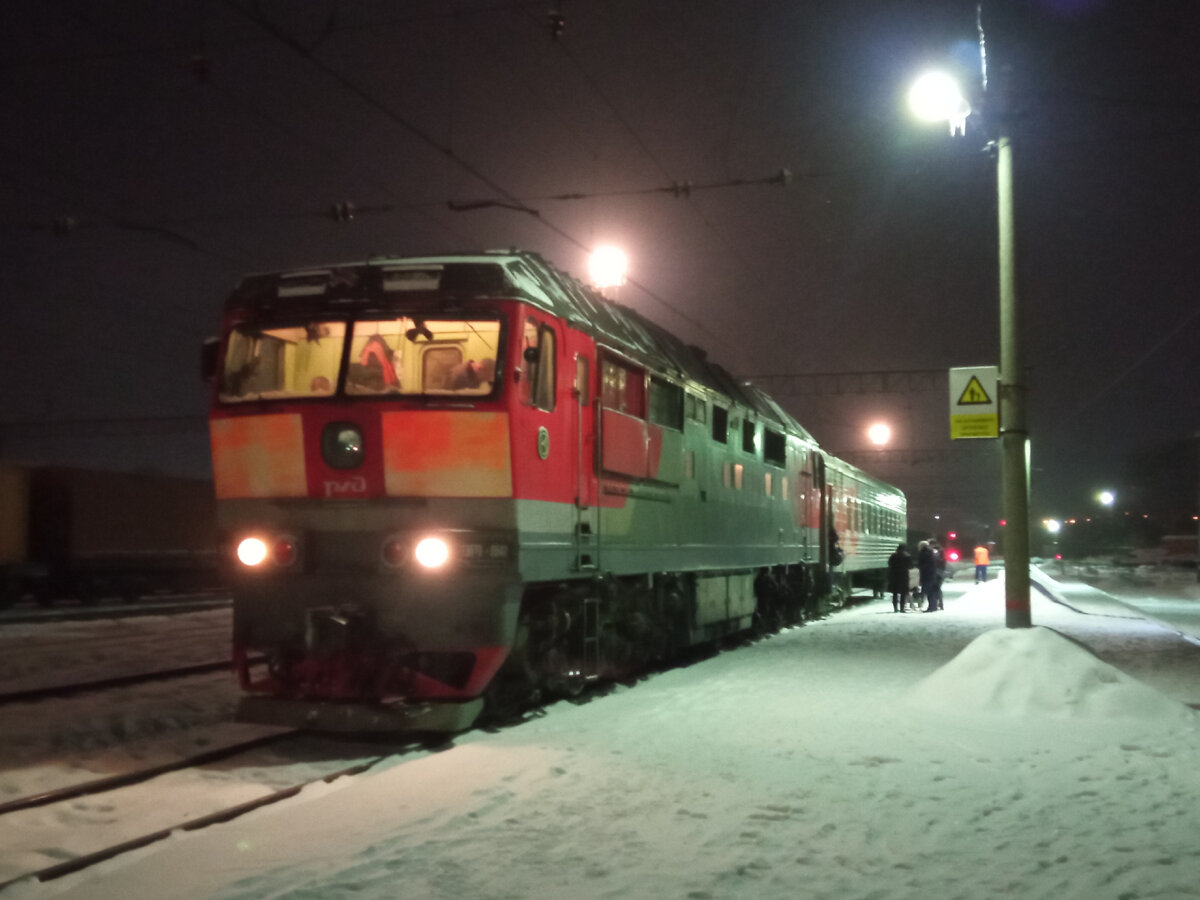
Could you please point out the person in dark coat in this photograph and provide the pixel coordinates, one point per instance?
(898, 565)
(939, 565)
(927, 571)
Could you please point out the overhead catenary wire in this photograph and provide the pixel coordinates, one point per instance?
(423, 137)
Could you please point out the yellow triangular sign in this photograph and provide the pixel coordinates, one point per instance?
(974, 394)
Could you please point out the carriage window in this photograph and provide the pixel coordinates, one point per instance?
(282, 363)
(774, 447)
(621, 388)
(696, 408)
(748, 442)
(720, 424)
(666, 404)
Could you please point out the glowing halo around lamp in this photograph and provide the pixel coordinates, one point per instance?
(607, 266)
(936, 97)
(879, 434)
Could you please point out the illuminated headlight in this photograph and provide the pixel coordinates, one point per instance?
(432, 552)
(252, 552)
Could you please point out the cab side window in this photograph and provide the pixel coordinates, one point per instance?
(538, 350)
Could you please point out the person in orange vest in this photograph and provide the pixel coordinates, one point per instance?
(982, 558)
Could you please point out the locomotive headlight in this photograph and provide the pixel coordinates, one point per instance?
(432, 552)
(252, 552)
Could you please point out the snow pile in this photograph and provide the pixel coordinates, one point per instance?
(1037, 671)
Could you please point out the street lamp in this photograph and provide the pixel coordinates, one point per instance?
(936, 97)
(936, 100)
(879, 434)
(1106, 498)
(607, 267)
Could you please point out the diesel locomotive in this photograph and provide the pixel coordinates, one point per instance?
(460, 482)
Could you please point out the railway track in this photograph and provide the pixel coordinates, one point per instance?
(50, 692)
(118, 782)
(149, 606)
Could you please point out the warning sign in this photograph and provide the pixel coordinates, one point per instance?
(974, 394)
(974, 406)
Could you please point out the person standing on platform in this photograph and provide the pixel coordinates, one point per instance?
(982, 559)
(928, 573)
(898, 565)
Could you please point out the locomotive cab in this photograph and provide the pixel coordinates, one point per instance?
(398, 452)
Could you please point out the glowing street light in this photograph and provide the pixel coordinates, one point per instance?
(1106, 498)
(1052, 525)
(879, 434)
(607, 267)
(936, 97)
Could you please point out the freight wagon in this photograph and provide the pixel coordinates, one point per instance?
(70, 533)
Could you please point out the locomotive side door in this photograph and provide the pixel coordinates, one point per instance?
(587, 518)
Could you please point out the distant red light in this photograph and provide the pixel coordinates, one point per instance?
(1058, 556)
(953, 555)
(1003, 522)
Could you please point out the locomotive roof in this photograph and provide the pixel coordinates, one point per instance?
(520, 274)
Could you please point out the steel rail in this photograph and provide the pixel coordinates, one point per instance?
(163, 606)
(214, 818)
(100, 785)
(63, 690)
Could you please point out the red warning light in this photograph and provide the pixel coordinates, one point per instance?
(952, 534)
(1003, 522)
(953, 555)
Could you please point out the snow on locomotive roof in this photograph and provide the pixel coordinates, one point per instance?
(528, 276)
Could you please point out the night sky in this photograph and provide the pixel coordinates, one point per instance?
(155, 151)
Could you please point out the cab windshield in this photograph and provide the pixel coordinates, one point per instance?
(386, 356)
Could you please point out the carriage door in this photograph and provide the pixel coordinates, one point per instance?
(587, 519)
(806, 505)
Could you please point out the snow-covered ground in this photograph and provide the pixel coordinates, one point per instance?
(867, 755)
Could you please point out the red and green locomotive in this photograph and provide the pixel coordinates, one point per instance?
(463, 480)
